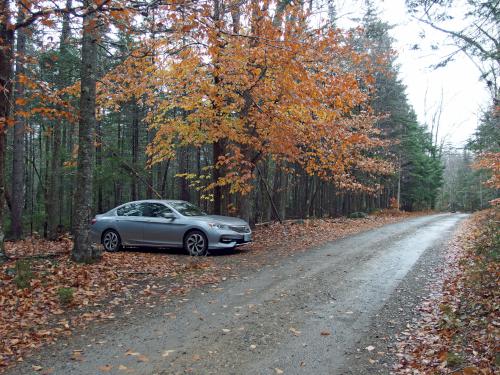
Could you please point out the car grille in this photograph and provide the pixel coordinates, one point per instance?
(240, 228)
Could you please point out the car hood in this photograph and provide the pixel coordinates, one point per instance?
(228, 220)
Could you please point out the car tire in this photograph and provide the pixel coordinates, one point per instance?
(111, 241)
(196, 243)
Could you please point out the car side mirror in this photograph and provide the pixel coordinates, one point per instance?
(169, 215)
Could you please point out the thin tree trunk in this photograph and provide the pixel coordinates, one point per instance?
(183, 164)
(164, 180)
(18, 188)
(98, 162)
(218, 147)
(54, 184)
(218, 151)
(150, 171)
(135, 150)
(83, 251)
(6, 41)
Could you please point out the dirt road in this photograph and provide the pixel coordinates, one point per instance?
(331, 310)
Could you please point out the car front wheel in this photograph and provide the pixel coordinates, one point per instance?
(111, 241)
(196, 243)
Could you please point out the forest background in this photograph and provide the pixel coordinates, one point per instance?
(263, 109)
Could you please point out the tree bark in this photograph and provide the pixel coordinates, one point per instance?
(18, 188)
(54, 188)
(183, 168)
(135, 150)
(83, 251)
(218, 150)
(98, 162)
(6, 41)
(218, 147)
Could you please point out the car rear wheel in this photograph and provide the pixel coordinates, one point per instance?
(111, 241)
(196, 243)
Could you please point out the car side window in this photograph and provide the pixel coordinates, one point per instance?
(131, 209)
(155, 210)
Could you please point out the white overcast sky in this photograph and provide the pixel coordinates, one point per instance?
(457, 83)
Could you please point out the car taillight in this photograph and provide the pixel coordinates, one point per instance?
(93, 221)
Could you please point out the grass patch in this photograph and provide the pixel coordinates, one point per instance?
(65, 295)
(24, 274)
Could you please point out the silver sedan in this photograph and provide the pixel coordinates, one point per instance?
(168, 223)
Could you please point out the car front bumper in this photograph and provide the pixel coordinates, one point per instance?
(228, 239)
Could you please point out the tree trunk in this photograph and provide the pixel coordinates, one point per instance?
(6, 40)
(18, 188)
(98, 162)
(54, 189)
(135, 150)
(183, 165)
(83, 251)
(150, 171)
(218, 150)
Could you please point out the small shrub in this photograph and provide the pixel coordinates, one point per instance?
(65, 295)
(24, 274)
(454, 359)
(358, 215)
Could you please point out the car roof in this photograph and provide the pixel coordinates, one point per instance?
(157, 201)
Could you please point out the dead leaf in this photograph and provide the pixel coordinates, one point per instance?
(77, 355)
(295, 332)
(166, 353)
(470, 371)
(36, 368)
(142, 358)
(278, 370)
(105, 368)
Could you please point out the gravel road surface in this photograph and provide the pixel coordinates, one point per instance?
(330, 310)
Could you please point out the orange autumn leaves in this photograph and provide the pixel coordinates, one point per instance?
(266, 85)
(491, 161)
(271, 90)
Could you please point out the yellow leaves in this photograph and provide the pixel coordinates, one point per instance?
(22, 79)
(491, 162)
(21, 101)
(47, 22)
(288, 93)
(6, 122)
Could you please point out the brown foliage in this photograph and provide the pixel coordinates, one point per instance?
(458, 328)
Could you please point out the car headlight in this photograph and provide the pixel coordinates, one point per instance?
(217, 226)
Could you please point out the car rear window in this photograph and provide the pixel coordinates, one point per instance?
(131, 209)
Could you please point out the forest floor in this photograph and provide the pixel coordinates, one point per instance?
(44, 296)
(259, 308)
(458, 329)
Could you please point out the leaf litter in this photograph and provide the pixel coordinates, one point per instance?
(459, 322)
(34, 315)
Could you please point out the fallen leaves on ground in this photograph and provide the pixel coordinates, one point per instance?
(459, 325)
(34, 313)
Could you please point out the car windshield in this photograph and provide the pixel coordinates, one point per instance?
(187, 209)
